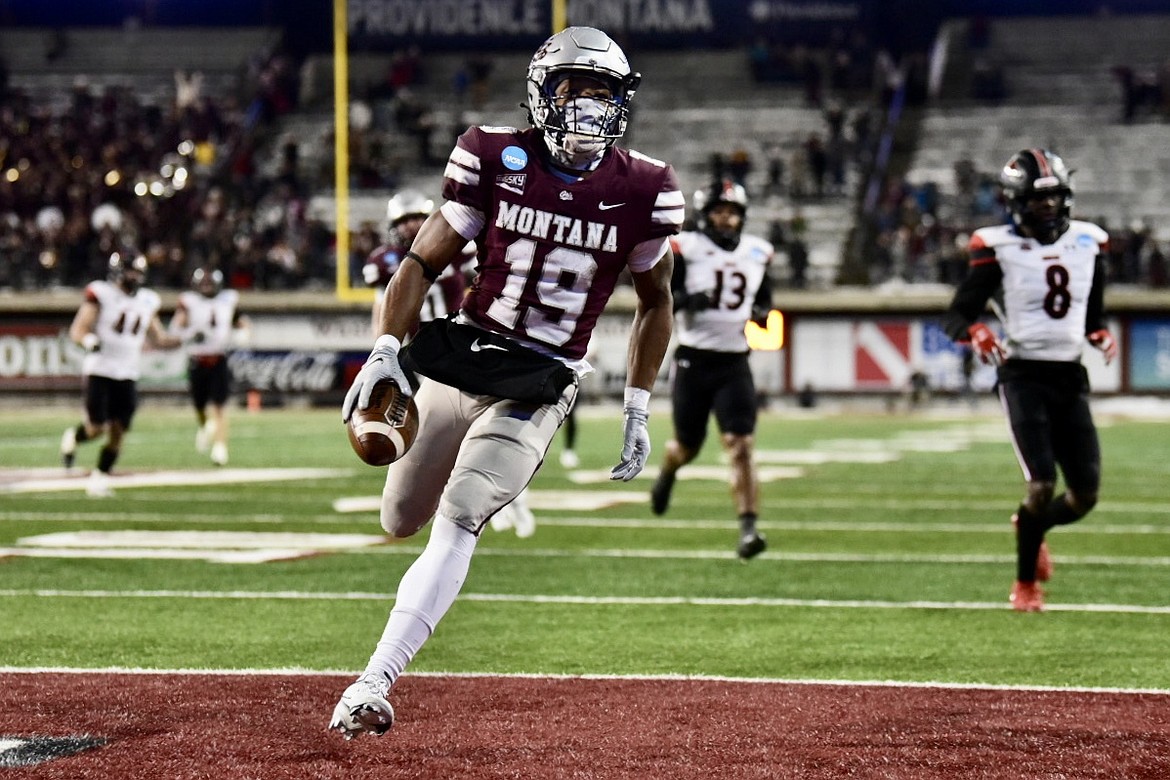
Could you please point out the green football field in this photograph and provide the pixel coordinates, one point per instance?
(890, 557)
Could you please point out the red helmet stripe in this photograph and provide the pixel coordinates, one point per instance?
(1041, 162)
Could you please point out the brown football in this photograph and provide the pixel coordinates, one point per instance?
(382, 433)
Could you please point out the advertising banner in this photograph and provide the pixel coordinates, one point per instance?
(1149, 354)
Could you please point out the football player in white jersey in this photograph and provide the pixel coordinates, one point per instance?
(112, 325)
(1050, 271)
(720, 283)
(207, 320)
(558, 213)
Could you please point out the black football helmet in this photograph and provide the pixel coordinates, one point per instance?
(127, 269)
(722, 193)
(207, 281)
(1029, 179)
(577, 129)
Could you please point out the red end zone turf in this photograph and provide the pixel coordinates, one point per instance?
(274, 727)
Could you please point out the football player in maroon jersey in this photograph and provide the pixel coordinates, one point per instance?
(557, 212)
(1051, 270)
(405, 213)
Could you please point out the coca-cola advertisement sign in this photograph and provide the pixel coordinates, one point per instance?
(285, 372)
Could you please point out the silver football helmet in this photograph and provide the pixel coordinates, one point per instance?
(579, 129)
(408, 203)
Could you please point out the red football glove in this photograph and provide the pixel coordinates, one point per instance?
(1104, 341)
(986, 345)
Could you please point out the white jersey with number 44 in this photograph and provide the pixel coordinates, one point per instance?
(121, 327)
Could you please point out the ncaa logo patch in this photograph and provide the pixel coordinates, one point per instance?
(514, 158)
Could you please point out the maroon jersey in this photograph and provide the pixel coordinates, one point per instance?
(550, 251)
(383, 262)
(443, 297)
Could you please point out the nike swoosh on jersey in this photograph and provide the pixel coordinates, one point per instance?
(603, 206)
(477, 347)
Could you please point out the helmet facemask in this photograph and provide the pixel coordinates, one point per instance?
(128, 271)
(731, 199)
(207, 281)
(579, 91)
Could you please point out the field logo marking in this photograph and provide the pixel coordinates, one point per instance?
(31, 751)
(16, 481)
(210, 546)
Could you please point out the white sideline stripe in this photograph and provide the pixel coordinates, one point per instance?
(674, 678)
(665, 678)
(997, 606)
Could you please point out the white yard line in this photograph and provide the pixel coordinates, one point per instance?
(693, 601)
(669, 678)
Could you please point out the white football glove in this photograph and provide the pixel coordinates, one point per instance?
(636, 448)
(91, 343)
(381, 364)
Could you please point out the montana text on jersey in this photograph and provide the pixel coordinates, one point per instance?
(561, 269)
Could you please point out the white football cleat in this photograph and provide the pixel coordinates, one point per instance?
(363, 708)
(502, 520)
(68, 446)
(203, 437)
(98, 485)
(219, 455)
(523, 521)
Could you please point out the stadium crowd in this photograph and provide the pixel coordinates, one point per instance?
(922, 230)
(105, 169)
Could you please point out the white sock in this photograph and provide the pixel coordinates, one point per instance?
(426, 592)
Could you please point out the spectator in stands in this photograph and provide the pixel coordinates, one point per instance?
(415, 118)
(818, 163)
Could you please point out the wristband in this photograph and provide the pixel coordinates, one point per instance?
(89, 341)
(387, 341)
(637, 398)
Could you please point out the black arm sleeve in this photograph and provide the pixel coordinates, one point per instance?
(1095, 310)
(764, 294)
(970, 299)
(678, 282)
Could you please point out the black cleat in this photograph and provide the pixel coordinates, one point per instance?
(660, 493)
(751, 544)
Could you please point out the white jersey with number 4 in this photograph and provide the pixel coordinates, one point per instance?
(732, 278)
(121, 327)
(212, 318)
(1046, 287)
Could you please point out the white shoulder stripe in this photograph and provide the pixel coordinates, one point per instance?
(669, 199)
(461, 175)
(465, 158)
(646, 158)
(668, 216)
